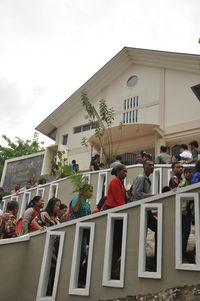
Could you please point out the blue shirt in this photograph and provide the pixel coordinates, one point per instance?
(83, 210)
(196, 177)
(71, 165)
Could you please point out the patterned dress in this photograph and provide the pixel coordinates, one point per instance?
(7, 225)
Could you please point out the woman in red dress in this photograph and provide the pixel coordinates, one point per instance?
(116, 194)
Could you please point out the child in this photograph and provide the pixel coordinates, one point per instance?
(188, 173)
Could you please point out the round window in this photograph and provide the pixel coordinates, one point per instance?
(132, 81)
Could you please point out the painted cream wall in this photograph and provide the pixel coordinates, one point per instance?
(148, 90)
(181, 105)
(76, 150)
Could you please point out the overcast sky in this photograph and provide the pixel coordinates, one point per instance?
(49, 48)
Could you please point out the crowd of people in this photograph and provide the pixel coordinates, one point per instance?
(117, 194)
(36, 217)
(29, 184)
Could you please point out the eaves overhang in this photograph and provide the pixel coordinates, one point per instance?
(117, 65)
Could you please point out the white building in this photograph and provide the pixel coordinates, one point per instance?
(150, 92)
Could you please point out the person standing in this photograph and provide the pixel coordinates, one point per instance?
(185, 153)
(163, 157)
(142, 190)
(116, 192)
(194, 146)
(142, 184)
(116, 162)
(94, 164)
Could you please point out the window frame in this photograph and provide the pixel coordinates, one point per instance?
(63, 137)
(14, 198)
(99, 186)
(40, 189)
(25, 202)
(178, 232)
(73, 289)
(51, 190)
(142, 273)
(106, 281)
(44, 267)
(155, 172)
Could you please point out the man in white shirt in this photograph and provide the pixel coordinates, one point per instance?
(185, 153)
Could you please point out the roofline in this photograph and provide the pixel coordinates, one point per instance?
(123, 50)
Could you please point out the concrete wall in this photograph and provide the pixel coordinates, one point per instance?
(21, 261)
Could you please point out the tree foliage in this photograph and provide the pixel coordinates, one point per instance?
(101, 120)
(60, 163)
(18, 148)
(78, 180)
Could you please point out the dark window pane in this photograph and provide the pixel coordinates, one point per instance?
(124, 104)
(82, 276)
(136, 101)
(52, 269)
(133, 117)
(65, 138)
(131, 102)
(130, 117)
(93, 126)
(117, 248)
(77, 130)
(86, 127)
(124, 118)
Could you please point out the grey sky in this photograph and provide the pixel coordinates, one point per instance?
(49, 48)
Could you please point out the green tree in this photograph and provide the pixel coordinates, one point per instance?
(18, 148)
(102, 121)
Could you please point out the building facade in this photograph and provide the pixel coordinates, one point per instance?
(151, 94)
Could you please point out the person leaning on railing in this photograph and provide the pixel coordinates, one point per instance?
(48, 217)
(33, 209)
(8, 221)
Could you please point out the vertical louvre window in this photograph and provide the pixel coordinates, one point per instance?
(127, 103)
(130, 113)
(123, 117)
(130, 116)
(126, 117)
(131, 102)
(124, 104)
